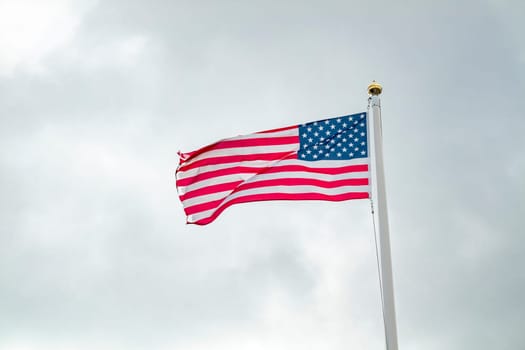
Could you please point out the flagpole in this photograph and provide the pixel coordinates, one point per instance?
(387, 284)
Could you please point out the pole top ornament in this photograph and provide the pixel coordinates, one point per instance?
(375, 88)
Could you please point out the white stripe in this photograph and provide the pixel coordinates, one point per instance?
(265, 163)
(205, 198)
(199, 216)
(202, 215)
(214, 181)
(207, 168)
(243, 151)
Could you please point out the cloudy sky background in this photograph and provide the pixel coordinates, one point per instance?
(96, 98)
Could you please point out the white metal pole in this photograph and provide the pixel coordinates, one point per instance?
(389, 310)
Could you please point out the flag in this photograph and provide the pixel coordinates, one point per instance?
(322, 160)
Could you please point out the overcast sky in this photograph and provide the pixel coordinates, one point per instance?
(97, 97)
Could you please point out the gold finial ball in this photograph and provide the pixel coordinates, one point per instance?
(375, 88)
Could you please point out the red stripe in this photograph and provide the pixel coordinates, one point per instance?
(282, 196)
(214, 173)
(239, 158)
(226, 186)
(270, 170)
(197, 208)
(276, 182)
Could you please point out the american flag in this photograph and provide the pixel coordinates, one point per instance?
(322, 160)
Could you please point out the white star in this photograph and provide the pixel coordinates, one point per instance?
(315, 146)
(315, 123)
(303, 156)
(332, 126)
(327, 147)
(321, 139)
(362, 116)
(344, 149)
(362, 125)
(338, 120)
(338, 136)
(327, 132)
(351, 144)
(327, 122)
(304, 135)
(310, 140)
(345, 125)
(344, 140)
(309, 129)
(308, 151)
(316, 134)
(363, 143)
(363, 153)
(321, 151)
(356, 149)
(339, 144)
(327, 155)
(351, 118)
(339, 154)
(351, 154)
(362, 134)
(315, 156)
(332, 141)
(321, 128)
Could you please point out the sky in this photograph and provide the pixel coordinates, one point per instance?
(97, 97)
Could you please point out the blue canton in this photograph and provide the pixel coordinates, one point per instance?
(339, 138)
